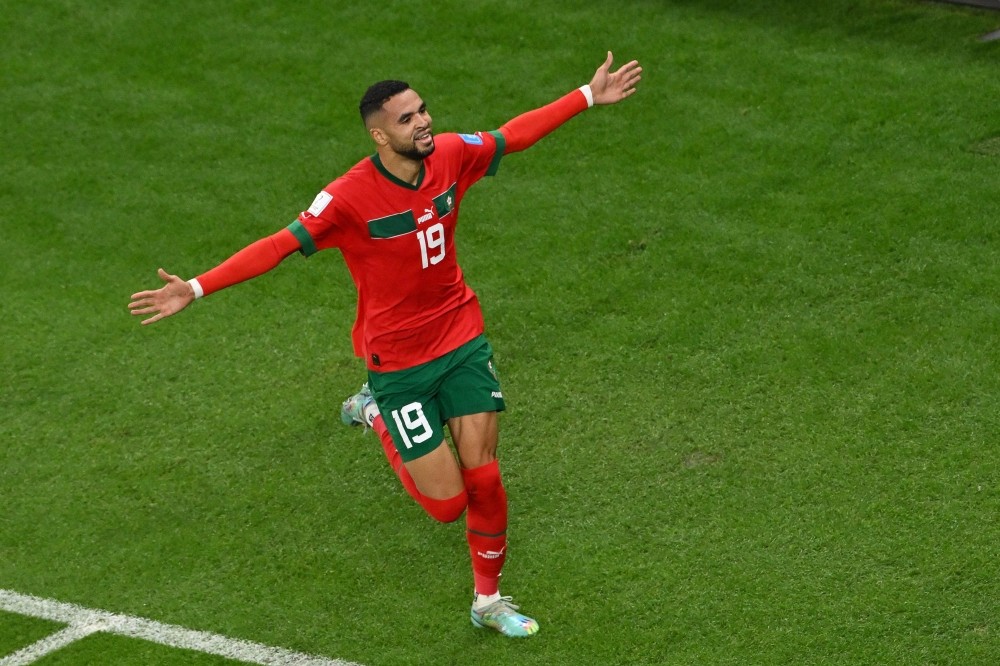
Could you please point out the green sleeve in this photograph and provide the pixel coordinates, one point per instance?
(305, 240)
(501, 147)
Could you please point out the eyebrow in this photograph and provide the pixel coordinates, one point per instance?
(406, 116)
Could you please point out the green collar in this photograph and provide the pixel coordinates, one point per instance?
(377, 161)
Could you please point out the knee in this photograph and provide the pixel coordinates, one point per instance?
(446, 510)
(484, 481)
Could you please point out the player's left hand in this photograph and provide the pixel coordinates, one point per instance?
(611, 87)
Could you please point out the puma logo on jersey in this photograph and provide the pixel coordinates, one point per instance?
(426, 217)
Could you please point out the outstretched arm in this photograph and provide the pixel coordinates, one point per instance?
(253, 260)
(606, 87)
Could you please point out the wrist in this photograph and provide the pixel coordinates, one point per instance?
(196, 287)
(588, 93)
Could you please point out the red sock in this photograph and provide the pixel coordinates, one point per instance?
(486, 521)
(444, 510)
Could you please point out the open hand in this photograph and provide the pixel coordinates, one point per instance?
(169, 299)
(611, 87)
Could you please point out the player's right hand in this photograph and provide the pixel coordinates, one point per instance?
(169, 299)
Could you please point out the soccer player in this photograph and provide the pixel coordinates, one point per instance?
(419, 326)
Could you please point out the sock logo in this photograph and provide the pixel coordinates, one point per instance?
(491, 554)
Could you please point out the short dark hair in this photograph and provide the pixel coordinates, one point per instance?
(378, 94)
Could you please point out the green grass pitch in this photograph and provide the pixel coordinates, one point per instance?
(747, 324)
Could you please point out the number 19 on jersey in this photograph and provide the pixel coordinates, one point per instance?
(432, 245)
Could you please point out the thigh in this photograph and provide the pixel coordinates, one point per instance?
(436, 473)
(475, 437)
(413, 419)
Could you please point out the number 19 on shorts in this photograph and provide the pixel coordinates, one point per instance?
(413, 426)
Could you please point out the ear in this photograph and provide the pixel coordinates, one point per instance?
(378, 136)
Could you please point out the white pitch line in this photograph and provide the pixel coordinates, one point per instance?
(56, 641)
(85, 621)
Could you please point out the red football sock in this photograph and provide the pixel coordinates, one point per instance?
(486, 521)
(444, 510)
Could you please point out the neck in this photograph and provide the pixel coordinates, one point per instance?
(404, 168)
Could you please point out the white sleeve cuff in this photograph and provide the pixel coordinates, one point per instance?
(198, 291)
(589, 94)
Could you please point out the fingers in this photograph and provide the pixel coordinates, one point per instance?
(142, 307)
(157, 312)
(629, 73)
(632, 64)
(169, 299)
(147, 301)
(144, 298)
(610, 87)
(627, 78)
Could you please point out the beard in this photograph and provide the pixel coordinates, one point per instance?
(412, 152)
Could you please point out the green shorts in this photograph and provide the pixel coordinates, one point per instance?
(416, 403)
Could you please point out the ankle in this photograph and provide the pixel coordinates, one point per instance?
(480, 601)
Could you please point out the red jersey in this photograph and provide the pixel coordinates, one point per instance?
(398, 241)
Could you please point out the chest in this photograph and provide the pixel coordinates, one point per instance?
(406, 228)
(393, 211)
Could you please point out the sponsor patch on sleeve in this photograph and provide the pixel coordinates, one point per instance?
(320, 203)
(472, 139)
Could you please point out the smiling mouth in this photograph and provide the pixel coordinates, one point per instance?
(423, 138)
